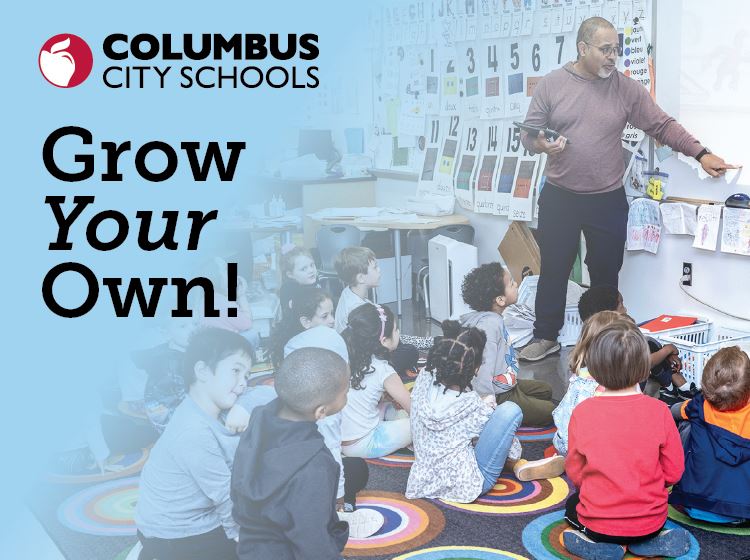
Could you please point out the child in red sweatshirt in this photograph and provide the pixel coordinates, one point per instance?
(623, 452)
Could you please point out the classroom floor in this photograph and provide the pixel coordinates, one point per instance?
(516, 520)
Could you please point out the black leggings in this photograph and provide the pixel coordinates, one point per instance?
(356, 475)
(214, 545)
(571, 516)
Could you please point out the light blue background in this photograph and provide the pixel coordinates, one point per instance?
(49, 363)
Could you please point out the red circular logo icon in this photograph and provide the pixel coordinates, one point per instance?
(65, 60)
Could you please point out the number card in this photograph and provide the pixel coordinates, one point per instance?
(434, 136)
(471, 100)
(515, 88)
(449, 98)
(521, 200)
(447, 160)
(431, 82)
(507, 171)
(465, 175)
(556, 20)
(492, 82)
(491, 143)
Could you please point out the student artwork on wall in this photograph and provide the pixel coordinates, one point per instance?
(707, 227)
(411, 86)
(466, 173)
(522, 198)
(447, 159)
(433, 139)
(491, 142)
(644, 226)
(735, 235)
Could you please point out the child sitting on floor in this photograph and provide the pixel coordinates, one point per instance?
(299, 277)
(461, 441)
(489, 290)
(370, 337)
(716, 436)
(284, 478)
(306, 310)
(623, 453)
(184, 510)
(354, 470)
(665, 363)
(358, 269)
(581, 385)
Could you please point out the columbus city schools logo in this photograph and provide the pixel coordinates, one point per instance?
(65, 60)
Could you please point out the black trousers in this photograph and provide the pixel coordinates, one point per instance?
(356, 475)
(563, 215)
(571, 516)
(213, 545)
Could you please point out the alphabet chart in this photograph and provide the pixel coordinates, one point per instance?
(463, 70)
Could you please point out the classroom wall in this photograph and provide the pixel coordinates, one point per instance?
(649, 282)
(721, 279)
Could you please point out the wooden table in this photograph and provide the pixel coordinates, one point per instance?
(396, 228)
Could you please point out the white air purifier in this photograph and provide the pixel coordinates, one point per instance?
(450, 261)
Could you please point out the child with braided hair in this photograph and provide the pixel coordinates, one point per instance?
(461, 440)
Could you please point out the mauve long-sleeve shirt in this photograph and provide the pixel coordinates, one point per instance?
(592, 114)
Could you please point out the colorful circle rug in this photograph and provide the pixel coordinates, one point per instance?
(408, 524)
(459, 553)
(513, 497)
(536, 434)
(119, 466)
(262, 379)
(543, 539)
(403, 458)
(676, 514)
(107, 509)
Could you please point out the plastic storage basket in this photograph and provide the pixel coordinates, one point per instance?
(572, 323)
(697, 343)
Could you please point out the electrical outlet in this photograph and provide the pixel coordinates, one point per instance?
(687, 274)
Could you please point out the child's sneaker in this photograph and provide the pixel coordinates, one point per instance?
(363, 522)
(540, 469)
(670, 542)
(687, 394)
(580, 545)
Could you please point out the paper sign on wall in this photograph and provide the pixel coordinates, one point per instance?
(447, 159)
(491, 142)
(522, 196)
(707, 227)
(470, 149)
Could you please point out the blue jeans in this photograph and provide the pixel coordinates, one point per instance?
(495, 440)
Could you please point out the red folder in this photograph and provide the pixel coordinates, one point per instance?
(664, 322)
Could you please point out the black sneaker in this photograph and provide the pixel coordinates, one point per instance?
(687, 394)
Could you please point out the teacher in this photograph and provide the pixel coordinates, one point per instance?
(590, 102)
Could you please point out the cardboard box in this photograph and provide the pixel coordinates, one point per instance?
(520, 251)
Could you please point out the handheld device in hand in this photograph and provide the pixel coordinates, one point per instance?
(549, 134)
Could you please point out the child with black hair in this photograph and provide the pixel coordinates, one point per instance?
(299, 276)
(461, 441)
(665, 361)
(184, 509)
(623, 453)
(307, 309)
(489, 290)
(715, 431)
(358, 269)
(284, 478)
(371, 336)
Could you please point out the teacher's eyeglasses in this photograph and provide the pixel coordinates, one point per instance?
(608, 50)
